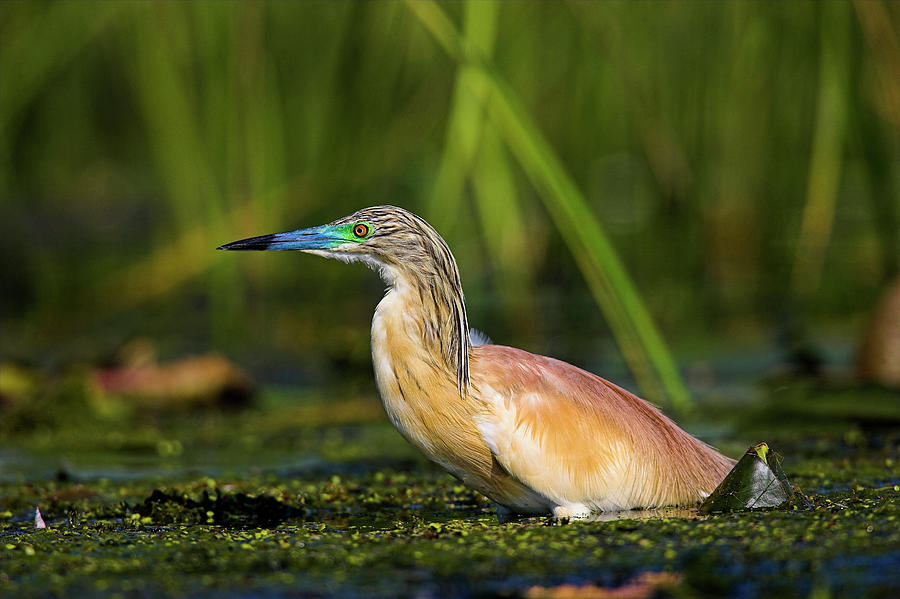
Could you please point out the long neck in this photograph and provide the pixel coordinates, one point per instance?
(429, 295)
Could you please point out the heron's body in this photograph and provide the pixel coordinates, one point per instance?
(534, 434)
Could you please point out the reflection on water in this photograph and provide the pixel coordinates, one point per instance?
(663, 512)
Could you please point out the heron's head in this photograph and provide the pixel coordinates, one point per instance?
(402, 248)
(386, 238)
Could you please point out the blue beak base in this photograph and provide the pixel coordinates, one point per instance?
(314, 238)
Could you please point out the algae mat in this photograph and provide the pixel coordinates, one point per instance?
(358, 514)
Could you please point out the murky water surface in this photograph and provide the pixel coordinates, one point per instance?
(279, 500)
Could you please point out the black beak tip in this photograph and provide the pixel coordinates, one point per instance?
(263, 242)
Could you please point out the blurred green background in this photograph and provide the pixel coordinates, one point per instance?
(741, 158)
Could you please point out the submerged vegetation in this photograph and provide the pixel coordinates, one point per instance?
(321, 497)
(846, 544)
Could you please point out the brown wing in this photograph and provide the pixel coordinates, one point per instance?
(578, 439)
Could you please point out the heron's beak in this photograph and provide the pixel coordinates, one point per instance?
(314, 238)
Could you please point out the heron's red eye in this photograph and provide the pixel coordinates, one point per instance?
(361, 230)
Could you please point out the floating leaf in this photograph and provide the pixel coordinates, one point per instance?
(648, 584)
(194, 381)
(756, 481)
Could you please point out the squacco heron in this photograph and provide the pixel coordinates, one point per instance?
(534, 434)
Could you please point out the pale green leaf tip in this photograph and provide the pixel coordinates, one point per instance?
(762, 450)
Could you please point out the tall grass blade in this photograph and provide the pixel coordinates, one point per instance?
(827, 150)
(642, 346)
(474, 152)
(63, 29)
